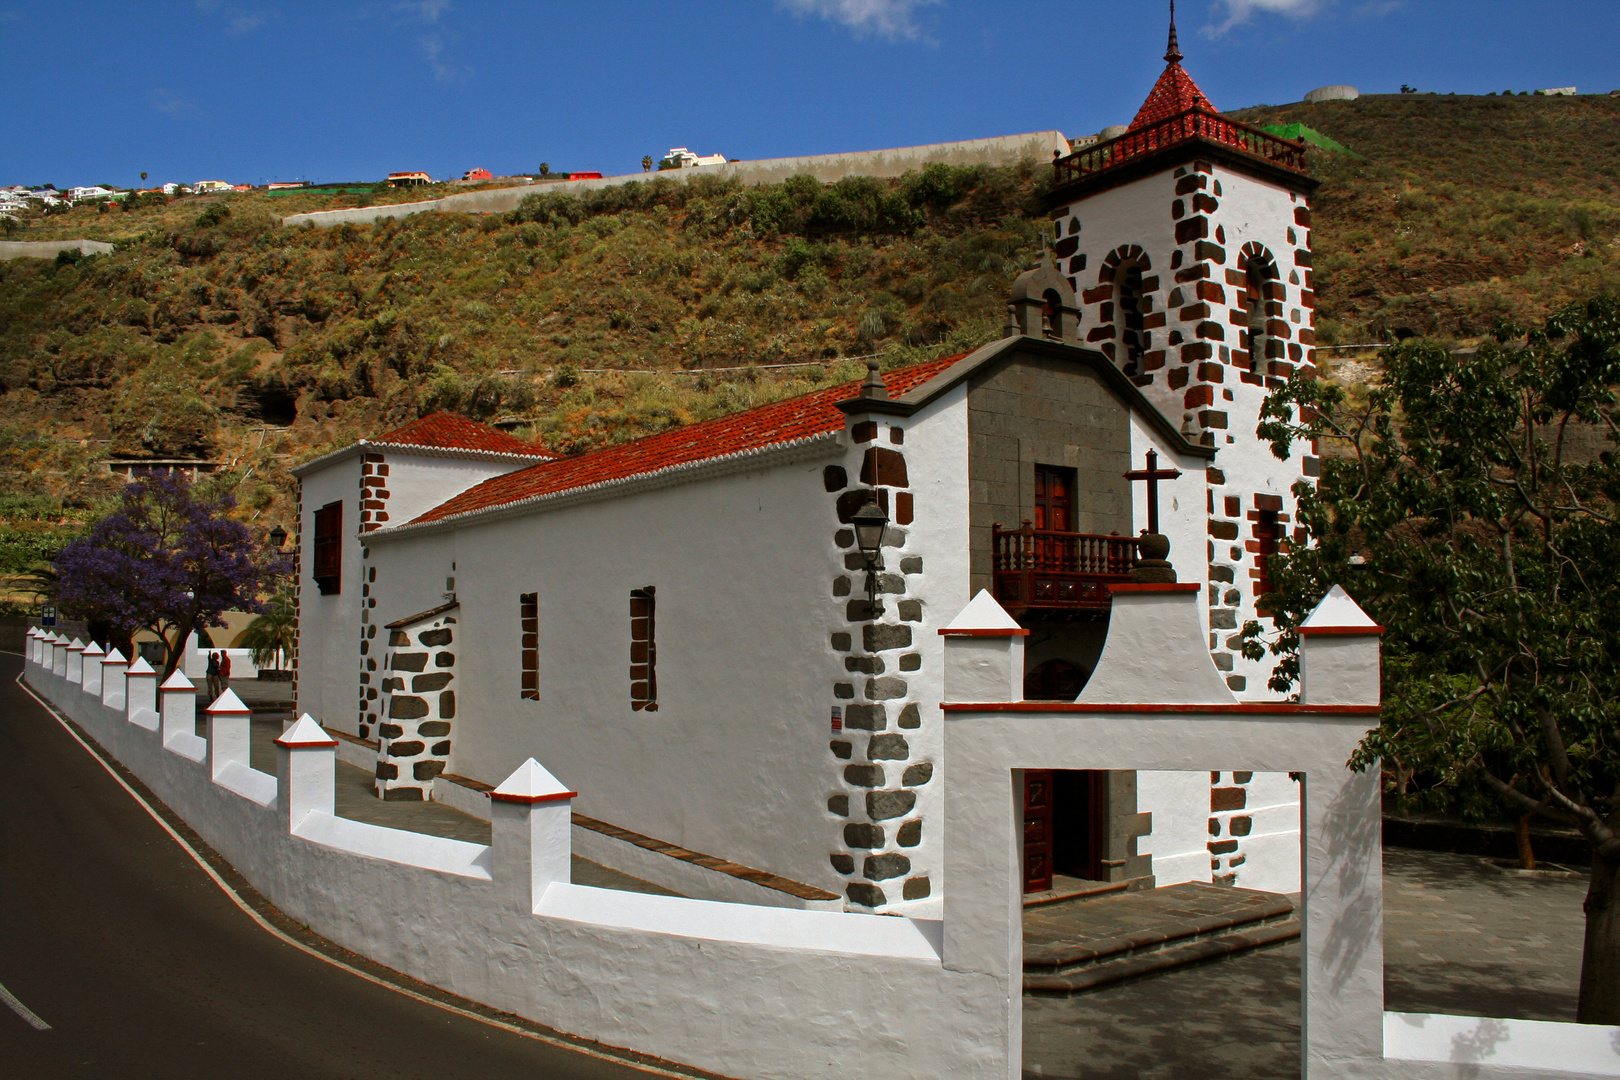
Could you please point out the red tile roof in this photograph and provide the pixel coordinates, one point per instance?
(447, 431)
(1174, 94)
(768, 425)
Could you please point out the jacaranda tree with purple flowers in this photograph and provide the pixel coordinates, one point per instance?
(168, 560)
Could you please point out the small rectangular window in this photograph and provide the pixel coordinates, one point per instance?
(529, 621)
(643, 649)
(1268, 531)
(328, 554)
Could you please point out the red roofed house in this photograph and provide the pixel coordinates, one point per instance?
(678, 627)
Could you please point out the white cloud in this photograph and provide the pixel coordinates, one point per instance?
(426, 10)
(891, 19)
(238, 20)
(444, 70)
(171, 104)
(1241, 11)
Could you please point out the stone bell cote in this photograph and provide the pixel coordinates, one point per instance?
(1042, 305)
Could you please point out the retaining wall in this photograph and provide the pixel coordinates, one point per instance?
(828, 168)
(49, 249)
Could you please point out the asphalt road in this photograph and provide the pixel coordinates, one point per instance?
(142, 966)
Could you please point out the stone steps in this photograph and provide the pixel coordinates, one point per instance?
(1066, 968)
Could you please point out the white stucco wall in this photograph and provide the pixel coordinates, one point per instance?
(735, 760)
(1180, 836)
(743, 665)
(329, 626)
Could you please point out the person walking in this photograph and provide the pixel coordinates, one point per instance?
(213, 677)
(224, 671)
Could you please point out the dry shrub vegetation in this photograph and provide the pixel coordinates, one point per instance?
(215, 332)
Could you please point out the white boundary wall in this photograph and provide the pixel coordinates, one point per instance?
(740, 990)
(776, 992)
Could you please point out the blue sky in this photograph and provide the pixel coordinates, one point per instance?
(257, 90)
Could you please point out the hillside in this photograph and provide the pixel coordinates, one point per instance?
(1467, 210)
(213, 332)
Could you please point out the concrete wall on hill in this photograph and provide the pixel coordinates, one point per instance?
(828, 168)
(48, 249)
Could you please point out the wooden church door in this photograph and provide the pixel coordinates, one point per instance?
(1054, 489)
(1037, 830)
(1065, 825)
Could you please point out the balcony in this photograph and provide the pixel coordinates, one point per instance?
(1100, 157)
(1043, 569)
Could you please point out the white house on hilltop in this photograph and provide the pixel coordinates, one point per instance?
(679, 626)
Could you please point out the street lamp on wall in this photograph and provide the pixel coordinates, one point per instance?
(278, 536)
(870, 521)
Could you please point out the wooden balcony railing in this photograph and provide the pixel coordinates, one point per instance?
(1044, 568)
(1100, 157)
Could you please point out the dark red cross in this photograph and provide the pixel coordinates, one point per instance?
(1152, 475)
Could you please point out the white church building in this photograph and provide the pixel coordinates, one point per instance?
(680, 626)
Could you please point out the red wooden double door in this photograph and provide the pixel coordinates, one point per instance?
(1065, 825)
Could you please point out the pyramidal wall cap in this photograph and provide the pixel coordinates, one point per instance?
(141, 667)
(77, 644)
(984, 617)
(114, 657)
(531, 783)
(178, 681)
(228, 702)
(1337, 613)
(305, 733)
(93, 649)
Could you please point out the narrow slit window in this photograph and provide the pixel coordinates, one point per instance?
(1269, 534)
(529, 621)
(327, 564)
(643, 649)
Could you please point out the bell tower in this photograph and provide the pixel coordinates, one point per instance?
(1187, 241)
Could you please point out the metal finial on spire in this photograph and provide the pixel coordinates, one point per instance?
(1172, 55)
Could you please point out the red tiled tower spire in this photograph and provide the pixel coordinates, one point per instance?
(1175, 92)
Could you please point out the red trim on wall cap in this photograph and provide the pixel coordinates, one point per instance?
(988, 631)
(1341, 631)
(556, 796)
(1270, 708)
(245, 711)
(1173, 586)
(300, 745)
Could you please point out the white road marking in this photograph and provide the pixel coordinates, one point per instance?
(29, 1016)
(265, 924)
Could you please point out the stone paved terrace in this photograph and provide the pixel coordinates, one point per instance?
(355, 799)
(1076, 946)
(1460, 937)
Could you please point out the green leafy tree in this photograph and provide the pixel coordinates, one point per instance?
(274, 634)
(545, 168)
(1471, 503)
(646, 163)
